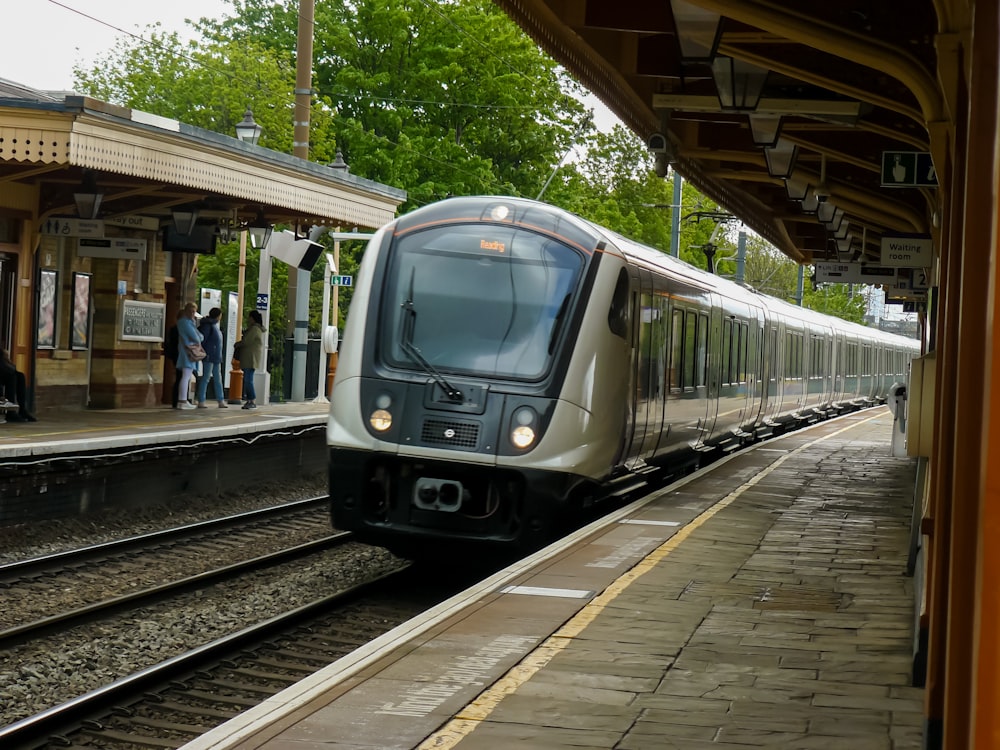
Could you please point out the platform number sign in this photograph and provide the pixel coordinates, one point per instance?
(262, 300)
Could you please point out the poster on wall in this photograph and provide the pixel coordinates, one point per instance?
(47, 288)
(81, 311)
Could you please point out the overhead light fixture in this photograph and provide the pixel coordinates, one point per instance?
(765, 129)
(842, 231)
(88, 200)
(781, 158)
(738, 84)
(247, 130)
(260, 231)
(797, 189)
(185, 219)
(844, 245)
(830, 215)
(811, 202)
(698, 31)
(824, 212)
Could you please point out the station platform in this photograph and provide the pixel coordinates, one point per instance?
(760, 602)
(72, 462)
(60, 431)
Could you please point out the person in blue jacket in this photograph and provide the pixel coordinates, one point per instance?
(188, 335)
(212, 364)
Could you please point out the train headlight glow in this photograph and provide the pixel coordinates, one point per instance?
(522, 435)
(380, 420)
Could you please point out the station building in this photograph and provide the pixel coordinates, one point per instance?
(93, 262)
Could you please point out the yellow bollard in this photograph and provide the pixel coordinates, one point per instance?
(236, 383)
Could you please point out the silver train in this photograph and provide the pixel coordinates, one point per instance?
(506, 364)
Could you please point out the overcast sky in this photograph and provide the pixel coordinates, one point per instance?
(45, 38)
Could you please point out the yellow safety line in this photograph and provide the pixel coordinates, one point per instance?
(467, 719)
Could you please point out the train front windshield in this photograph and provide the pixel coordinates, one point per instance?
(483, 300)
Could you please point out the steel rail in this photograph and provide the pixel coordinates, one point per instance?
(66, 557)
(56, 721)
(62, 621)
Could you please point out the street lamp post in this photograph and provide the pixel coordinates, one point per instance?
(249, 132)
(236, 373)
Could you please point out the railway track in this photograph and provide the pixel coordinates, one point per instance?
(45, 594)
(174, 701)
(167, 702)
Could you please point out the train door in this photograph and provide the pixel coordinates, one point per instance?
(754, 360)
(775, 386)
(706, 326)
(654, 331)
(639, 369)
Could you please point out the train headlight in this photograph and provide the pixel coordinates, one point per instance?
(522, 434)
(380, 420)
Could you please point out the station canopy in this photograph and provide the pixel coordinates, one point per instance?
(814, 123)
(55, 145)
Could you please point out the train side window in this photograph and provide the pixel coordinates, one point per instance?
(618, 314)
(773, 375)
(744, 346)
(702, 366)
(727, 337)
(690, 347)
(676, 349)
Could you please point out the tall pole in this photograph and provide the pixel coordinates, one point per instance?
(264, 292)
(741, 257)
(328, 271)
(298, 280)
(675, 218)
(236, 373)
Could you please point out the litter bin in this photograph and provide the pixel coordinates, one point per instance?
(897, 405)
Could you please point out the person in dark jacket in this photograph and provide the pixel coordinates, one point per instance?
(212, 344)
(252, 356)
(170, 347)
(15, 390)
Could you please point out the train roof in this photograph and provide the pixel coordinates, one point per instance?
(547, 217)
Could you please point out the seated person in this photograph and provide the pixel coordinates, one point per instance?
(13, 384)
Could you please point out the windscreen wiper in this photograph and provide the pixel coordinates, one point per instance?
(558, 323)
(406, 343)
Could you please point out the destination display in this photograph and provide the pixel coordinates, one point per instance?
(111, 247)
(853, 273)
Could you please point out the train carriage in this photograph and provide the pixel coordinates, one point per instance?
(506, 363)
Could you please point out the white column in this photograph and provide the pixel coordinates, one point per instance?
(262, 378)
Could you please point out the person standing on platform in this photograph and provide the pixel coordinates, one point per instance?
(170, 347)
(15, 389)
(212, 364)
(188, 335)
(252, 356)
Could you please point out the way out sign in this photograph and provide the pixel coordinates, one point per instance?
(907, 251)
